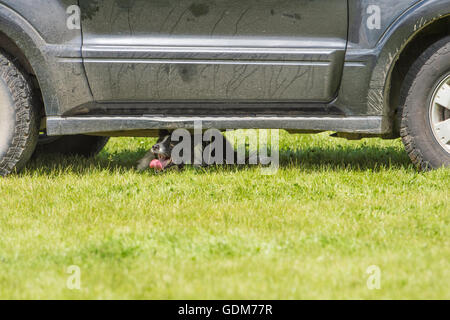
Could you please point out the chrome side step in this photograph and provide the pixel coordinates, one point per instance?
(94, 125)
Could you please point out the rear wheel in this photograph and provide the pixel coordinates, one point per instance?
(425, 126)
(77, 145)
(19, 117)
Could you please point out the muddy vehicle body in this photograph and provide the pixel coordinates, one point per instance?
(73, 73)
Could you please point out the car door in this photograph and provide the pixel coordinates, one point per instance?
(138, 51)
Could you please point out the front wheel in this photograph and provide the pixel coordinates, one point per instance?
(425, 96)
(19, 117)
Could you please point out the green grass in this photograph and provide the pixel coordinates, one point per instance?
(333, 209)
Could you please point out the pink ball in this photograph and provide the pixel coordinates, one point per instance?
(156, 164)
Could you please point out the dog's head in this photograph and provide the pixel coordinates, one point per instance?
(163, 151)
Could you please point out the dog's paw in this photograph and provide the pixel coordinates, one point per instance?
(144, 163)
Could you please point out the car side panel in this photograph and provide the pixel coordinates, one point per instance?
(242, 50)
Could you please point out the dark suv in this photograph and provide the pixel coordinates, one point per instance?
(73, 73)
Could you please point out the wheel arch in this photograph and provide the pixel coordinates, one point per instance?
(20, 41)
(57, 67)
(404, 36)
(432, 33)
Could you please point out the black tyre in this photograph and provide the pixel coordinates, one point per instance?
(19, 117)
(425, 103)
(77, 145)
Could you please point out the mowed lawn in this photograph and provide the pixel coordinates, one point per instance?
(310, 231)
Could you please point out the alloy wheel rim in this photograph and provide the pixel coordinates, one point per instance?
(440, 113)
